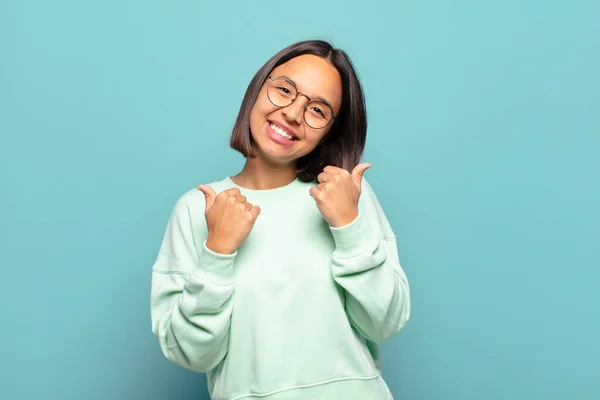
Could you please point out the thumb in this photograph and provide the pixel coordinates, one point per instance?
(358, 172)
(209, 194)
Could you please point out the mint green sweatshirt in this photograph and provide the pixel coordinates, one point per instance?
(295, 313)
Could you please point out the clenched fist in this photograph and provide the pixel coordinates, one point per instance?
(338, 192)
(229, 219)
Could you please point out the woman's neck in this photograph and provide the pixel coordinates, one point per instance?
(257, 175)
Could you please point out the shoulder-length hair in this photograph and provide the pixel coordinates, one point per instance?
(344, 144)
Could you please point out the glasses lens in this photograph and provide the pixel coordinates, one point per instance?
(318, 114)
(281, 92)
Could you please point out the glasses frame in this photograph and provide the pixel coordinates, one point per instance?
(299, 93)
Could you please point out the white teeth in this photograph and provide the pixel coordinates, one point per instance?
(281, 132)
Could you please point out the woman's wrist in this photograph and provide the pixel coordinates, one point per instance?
(219, 247)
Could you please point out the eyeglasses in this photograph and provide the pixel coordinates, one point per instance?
(282, 92)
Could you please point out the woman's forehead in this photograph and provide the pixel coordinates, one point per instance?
(314, 76)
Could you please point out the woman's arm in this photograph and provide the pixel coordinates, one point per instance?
(365, 263)
(192, 288)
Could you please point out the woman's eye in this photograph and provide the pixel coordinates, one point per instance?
(318, 111)
(285, 90)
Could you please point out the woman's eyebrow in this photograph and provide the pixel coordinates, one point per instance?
(321, 99)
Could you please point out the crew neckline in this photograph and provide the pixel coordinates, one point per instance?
(267, 195)
(280, 188)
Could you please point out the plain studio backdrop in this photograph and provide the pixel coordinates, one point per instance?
(484, 135)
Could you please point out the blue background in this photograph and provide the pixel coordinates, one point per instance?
(484, 139)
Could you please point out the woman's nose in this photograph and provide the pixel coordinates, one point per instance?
(295, 111)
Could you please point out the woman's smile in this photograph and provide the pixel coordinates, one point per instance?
(281, 135)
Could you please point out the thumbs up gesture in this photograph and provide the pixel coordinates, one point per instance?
(229, 219)
(338, 192)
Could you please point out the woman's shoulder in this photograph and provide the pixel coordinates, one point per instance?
(193, 198)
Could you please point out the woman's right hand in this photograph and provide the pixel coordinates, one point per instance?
(229, 218)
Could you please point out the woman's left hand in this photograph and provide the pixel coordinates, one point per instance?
(338, 192)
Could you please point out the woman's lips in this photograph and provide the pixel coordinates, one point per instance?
(284, 128)
(276, 137)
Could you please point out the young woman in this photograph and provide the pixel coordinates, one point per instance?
(279, 281)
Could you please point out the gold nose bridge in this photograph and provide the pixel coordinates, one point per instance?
(301, 94)
(302, 107)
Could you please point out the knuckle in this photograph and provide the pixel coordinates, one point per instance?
(231, 193)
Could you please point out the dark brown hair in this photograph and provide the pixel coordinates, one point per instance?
(344, 144)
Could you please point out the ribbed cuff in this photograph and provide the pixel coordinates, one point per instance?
(354, 238)
(216, 267)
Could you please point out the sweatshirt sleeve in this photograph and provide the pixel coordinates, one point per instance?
(365, 263)
(192, 288)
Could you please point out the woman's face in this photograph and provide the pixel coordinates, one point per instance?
(315, 78)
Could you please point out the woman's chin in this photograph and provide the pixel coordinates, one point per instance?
(276, 156)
